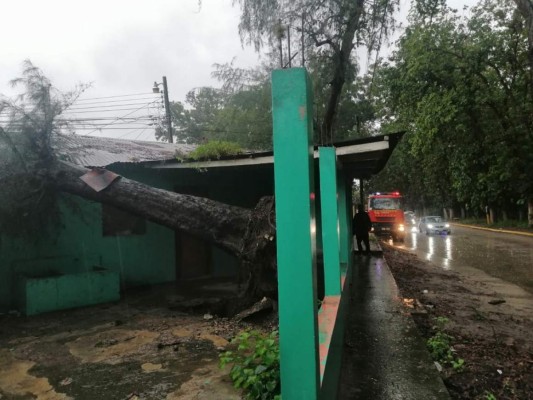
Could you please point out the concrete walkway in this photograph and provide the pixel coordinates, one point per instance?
(384, 358)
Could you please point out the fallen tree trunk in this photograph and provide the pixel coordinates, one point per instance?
(217, 223)
(247, 234)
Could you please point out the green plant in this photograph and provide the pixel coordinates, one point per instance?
(214, 150)
(489, 396)
(439, 346)
(255, 366)
(458, 364)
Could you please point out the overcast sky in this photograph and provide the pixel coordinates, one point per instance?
(123, 46)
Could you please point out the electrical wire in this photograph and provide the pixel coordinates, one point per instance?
(104, 107)
(113, 122)
(118, 109)
(113, 97)
(97, 107)
(119, 101)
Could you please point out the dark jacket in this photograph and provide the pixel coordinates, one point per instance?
(361, 223)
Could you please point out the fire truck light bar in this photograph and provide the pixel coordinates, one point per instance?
(386, 194)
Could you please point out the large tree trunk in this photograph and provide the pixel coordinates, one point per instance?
(339, 74)
(248, 234)
(530, 213)
(525, 7)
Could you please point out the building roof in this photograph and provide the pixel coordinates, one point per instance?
(91, 151)
(360, 158)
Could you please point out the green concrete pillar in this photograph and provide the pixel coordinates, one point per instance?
(330, 220)
(295, 231)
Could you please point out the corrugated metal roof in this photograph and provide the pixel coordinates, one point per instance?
(91, 151)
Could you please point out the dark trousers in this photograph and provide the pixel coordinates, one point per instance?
(362, 237)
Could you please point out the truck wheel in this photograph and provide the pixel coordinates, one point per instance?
(399, 239)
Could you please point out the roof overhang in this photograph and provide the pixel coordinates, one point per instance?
(363, 158)
(359, 158)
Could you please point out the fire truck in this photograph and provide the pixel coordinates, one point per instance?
(386, 213)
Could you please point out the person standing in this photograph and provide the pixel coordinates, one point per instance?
(361, 227)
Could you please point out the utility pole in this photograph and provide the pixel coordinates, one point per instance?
(361, 193)
(289, 44)
(167, 110)
(303, 39)
(280, 38)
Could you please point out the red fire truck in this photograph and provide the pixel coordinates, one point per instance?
(386, 213)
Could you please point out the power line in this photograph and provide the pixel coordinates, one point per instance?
(147, 117)
(114, 97)
(112, 123)
(109, 106)
(108, 128)
(118, 109)
(118, 101)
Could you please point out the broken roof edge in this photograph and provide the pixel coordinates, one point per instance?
(378, 143)
(363, 157)
(99, 152)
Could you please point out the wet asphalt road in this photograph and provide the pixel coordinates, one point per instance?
(505, 256)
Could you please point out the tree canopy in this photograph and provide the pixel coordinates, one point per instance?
(325, 35)
(460, 87)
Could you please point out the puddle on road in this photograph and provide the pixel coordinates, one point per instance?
(507, 257)
(15, 379)
(211, 381)
(110, 346)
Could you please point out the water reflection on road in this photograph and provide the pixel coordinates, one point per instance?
(505, 256)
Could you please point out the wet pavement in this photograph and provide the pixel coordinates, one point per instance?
(384, 357)
(501, 255)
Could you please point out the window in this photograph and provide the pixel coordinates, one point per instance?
(385, 203)
(116, 222)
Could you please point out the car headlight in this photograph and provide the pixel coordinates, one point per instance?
(401, 228)
(430, 225)
(447, 225)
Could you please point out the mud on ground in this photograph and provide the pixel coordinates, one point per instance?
(140, 348)
(146, 348)
(491, 323)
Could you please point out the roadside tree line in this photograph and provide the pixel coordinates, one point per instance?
(460, 84)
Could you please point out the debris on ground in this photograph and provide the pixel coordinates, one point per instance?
(495, 342)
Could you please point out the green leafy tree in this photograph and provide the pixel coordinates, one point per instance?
(28, 127)
(459, 87)
(239, 111)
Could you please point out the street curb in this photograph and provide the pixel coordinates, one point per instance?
(494, 230)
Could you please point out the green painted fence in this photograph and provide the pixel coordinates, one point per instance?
(311, 337)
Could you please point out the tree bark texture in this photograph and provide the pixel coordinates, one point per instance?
(530, 213)
(525, 7)
(339, 74)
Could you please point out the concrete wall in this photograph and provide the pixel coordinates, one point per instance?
(80, 246)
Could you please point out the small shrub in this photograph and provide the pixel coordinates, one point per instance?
(440, 346)
(214, 150)
(255, 365)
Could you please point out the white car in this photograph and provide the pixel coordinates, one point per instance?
(434, 224)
